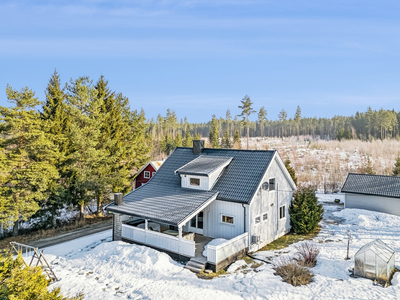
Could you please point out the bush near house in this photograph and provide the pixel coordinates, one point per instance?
(305, 212)
(23, 283)
(291, 272)
(307, 254)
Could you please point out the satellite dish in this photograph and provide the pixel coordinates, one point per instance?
(265, 186)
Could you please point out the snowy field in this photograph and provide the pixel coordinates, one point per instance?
(115, 270)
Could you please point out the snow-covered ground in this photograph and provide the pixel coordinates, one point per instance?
(115, 270)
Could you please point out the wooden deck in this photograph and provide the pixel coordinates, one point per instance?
(201, 241)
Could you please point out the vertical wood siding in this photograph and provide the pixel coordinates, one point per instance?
(269, 202)
(374, 203)
(185, 181)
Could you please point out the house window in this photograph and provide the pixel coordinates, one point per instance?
(282, 212)
(195, 181)
(147, 174)
(154, 173)
(227, 219)
(272, 184)
(265, 217)
(258, 219)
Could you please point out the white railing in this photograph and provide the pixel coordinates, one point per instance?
(159, 240)
(216, 254)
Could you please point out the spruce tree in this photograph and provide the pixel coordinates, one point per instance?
(188, 139)
(305, 212)
(262, 118)
(178, 140)
(214, 133)
(197, 136)
(247, 110)
(237, 144)
(28, 158)
(290, 170)
(396, 170)
(226, 140)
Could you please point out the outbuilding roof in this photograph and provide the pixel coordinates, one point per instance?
(204, 165)
(379, 248)
(163, 199)
(377, 185)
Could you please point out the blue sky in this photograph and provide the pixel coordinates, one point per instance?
(202, 57)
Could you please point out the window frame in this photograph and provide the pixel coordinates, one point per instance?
(193, 178)
(265, 219)
(228, 216)
(259, 220)
(144, 174)
(282, 211)
(271, 185)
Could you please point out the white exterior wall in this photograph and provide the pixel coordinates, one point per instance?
(374, 203)
(204, 182)
(213, 226)
(269, 202)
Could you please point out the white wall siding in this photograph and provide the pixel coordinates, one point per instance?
(204, 182)
(269, 202)
(213, 226)
(375, 203)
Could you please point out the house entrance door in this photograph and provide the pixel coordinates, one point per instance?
(196, 223)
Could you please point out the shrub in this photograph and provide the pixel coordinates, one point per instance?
(20, 282)
(291, 272)
(307, 253)
(305, 212)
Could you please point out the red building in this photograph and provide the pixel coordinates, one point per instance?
(147, 172)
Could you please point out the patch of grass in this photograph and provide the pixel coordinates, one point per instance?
(208, 276)
(289, 239)
(248, 260)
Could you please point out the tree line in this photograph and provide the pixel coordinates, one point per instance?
(226, 131)
(82, 144)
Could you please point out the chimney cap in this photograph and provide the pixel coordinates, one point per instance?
(118, 198)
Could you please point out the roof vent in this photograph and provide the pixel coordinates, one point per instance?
(198, 146)
(118, 198)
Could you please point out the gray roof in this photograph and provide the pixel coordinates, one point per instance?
(204, 165)
(377, 185)
(163, 199)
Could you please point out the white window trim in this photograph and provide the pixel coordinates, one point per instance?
(144, 174)
(280, 212)
(225, 223)
(269, 184)
(190, 183)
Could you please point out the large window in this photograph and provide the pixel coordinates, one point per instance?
(282, 212)
(227, 219)
(195, 181)
(146, 174)
(272, 184)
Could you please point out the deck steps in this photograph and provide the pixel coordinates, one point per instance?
(195, 265)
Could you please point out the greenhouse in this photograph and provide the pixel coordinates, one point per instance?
(374, 260)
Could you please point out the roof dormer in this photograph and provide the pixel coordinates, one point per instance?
(203, 172)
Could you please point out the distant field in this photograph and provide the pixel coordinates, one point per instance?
(325, 164)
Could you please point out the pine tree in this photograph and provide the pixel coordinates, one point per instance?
(297, 118)
(396, 170)
(226, 140)
(188, 139)
(290, 170)
(197, 136)
(214, 133)
(367, 167)
(28, 159)
(178, 140)
(237, 144)
(247, 110)
(262, 118)
(305, 212)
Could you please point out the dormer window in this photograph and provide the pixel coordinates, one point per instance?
(195, 181)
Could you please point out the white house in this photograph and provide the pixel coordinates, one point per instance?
(372, 192)
(200, 194)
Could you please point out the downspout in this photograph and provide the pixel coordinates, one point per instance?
(277, 209)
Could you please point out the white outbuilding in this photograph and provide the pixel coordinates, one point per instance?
(374, 260)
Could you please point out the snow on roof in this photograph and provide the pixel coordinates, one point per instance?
(379, 248)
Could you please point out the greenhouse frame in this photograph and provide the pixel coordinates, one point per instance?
(374, 260)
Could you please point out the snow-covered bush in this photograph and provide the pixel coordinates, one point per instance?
(307, 253)
(291, 272)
